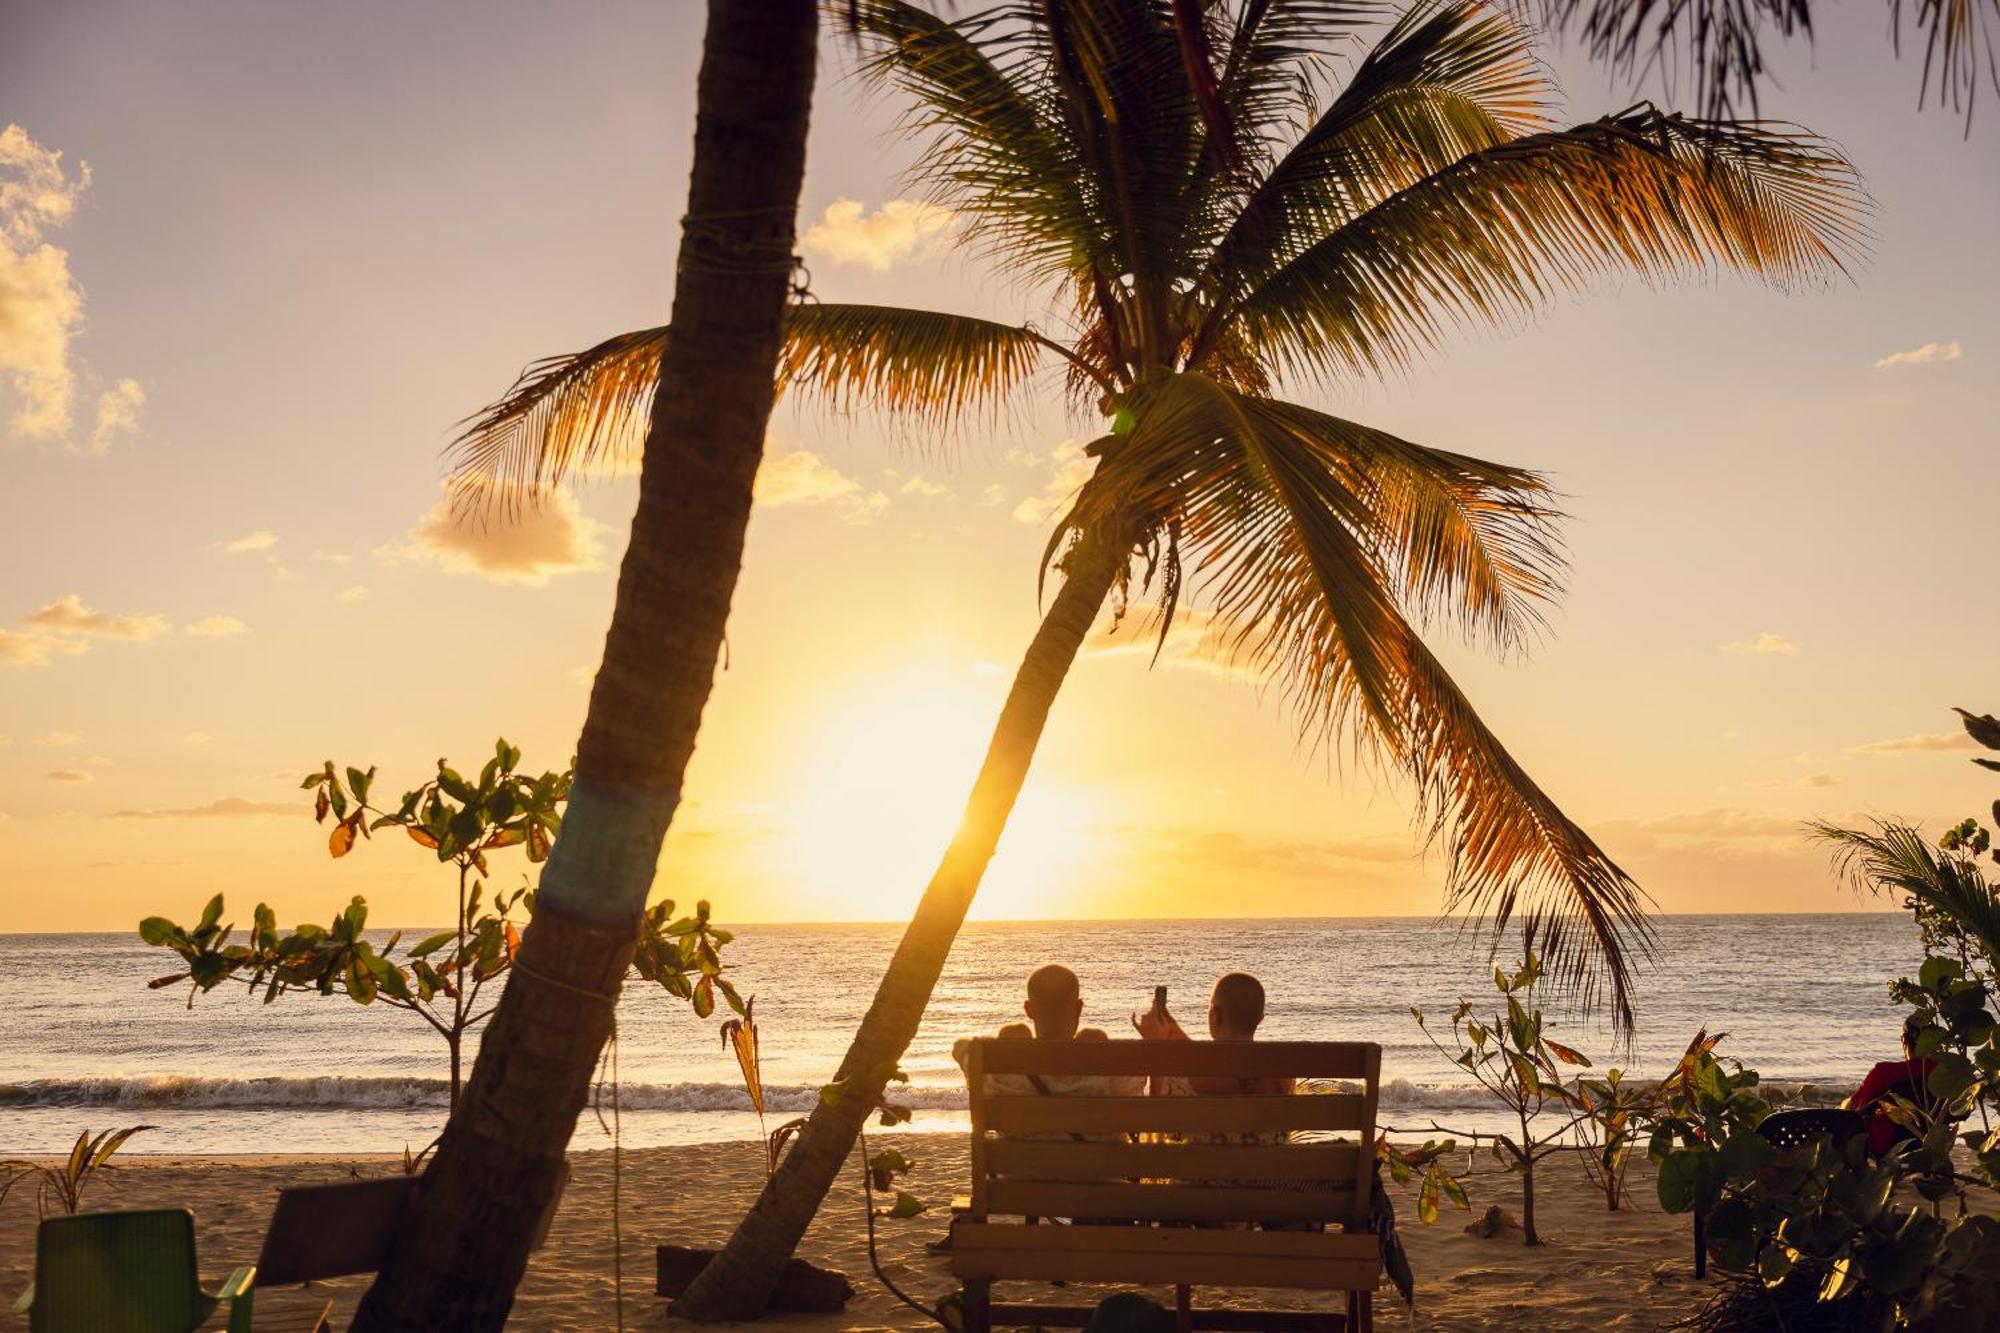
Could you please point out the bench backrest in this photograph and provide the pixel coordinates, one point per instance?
(1307, 1157)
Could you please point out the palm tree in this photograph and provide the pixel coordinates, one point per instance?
(463, 1242)
(1147, 172)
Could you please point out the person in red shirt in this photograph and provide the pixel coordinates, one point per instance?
(1906, 1078)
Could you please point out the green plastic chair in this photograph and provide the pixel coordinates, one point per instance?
(126, 1272)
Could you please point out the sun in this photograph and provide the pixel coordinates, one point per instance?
(878, 793)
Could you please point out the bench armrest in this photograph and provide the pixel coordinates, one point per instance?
(240, 1292)
(26, 1301)
(239, 1283)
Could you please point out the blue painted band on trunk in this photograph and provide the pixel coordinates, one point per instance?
(605, 859)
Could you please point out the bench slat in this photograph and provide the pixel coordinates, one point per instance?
(1188, 1115)
(1016, 1315)
(1187, 1059)
(1035, 1159)
(1318, 1246)
(1169, 1203)
(1002, 1253)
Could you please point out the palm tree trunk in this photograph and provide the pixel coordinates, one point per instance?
(462, 1244)
(738, 1281)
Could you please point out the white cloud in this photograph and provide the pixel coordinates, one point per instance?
(898, 230)
(1766, 644)
(1819, 780)
(217, 627)
(919, 484)
(802, 477)
(506, 536)
(196, 738)
(333, 557)
(117, 414)
(261, 540)
(1071, 468)
(59, 740)
(100, 761)
(31, 649)
(353, 593)
(1917, 356)
(995, 494)
(67, 775)
(41, 303)
(68, 615)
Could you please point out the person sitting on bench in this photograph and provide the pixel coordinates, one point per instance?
(1235, 1011)
(1054, 1006)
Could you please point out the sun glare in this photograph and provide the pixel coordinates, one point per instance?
(879, 794)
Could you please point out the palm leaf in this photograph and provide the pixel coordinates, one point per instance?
(1499, 230)
(1896, 858)
(569, 413)
(1450, 78)
(1295, 523)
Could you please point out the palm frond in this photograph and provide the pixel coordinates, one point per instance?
(1471, 540)
(567, 414)
(994, 146)
(1514, 854)
(1896, 858)
(1294, 526)
(1450, 78)
(934, 365)
(1498, 231)
(563, 414)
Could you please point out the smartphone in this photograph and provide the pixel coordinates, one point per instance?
(1159, 999)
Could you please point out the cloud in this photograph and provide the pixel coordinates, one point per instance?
(1070, 468)
(802, 477)
(1819, 780)
(67, 775)
(898, 230)
(216, 627)
(196, 738)
(1766, 644)
(353, 593)
(1917, 356)
(17, 649)
(68, 615)
(59, 740)
(117, 414)
(261, 540)
(229, 807)
(1934, 742)
(919, 484)
(41, 303)
(506, 536)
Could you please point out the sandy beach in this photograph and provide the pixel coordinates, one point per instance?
(1597, 1269)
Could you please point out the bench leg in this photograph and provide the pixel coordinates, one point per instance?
(1361, 1312)
(1184, 1308)
(976, 1304)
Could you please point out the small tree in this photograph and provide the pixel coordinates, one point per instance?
(1612, 1110)
(1513, 1059)
(443, 977)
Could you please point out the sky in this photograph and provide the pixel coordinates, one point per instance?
(256, 260)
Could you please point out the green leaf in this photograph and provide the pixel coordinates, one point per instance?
(157, 930)
(906, 1205)
(211, 913)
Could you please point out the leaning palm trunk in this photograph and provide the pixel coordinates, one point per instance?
(463, 1243)
(738, 1282)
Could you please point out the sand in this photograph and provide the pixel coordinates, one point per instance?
(1597, 1269)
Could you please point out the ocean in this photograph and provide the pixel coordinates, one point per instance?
(84, 1043)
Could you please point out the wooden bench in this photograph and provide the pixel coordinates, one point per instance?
(1132, 1167)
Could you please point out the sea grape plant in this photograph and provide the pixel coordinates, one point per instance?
(444, 977)
(1509, 1054)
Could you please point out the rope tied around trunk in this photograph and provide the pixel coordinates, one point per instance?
(709, 244)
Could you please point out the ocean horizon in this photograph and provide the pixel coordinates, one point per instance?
(85, 1043)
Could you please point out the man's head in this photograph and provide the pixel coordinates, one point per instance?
(1055, 1002)
(1236, 1007)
